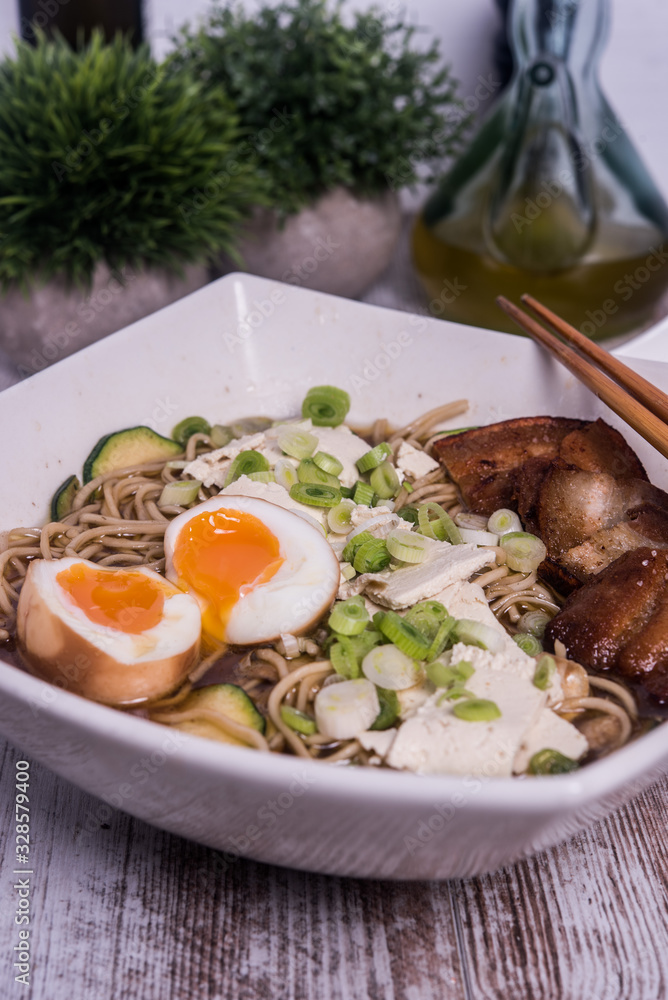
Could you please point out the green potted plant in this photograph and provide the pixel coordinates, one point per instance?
(102, 152)
(339, 115)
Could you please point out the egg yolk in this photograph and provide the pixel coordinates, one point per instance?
(221, 555)
(122, 600)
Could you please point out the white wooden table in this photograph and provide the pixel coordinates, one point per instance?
(122, 911)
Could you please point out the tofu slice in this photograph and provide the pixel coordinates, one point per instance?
(467, 600)
(435, 741)
(344, 445)
(414, 463)
(550, 732)
(378, 741)
(446, 564)
(211, 468)
(511, 661)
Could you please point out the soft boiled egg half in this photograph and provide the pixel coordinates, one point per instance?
(256, 569)
(119, 636)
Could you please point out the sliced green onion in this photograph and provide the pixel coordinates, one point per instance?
(245, 463)
(551, 762)
(262, 477)
(372, 459)
(347, 492)
(326, 405)
(338, 517)
(442, 527)
(363, 493)
(473, 633)
(476, 537)
(372, 556)
(180, 493)
(299, 721)
(544, 672)
(345, 709)
(354, 544)
(454, 693)
(347, 651)
(475, 522)
(524, 552)
(389, 710)
(177, 463)
(389, 668)
(427, 617)
(328, 463)
(384, 480)
(534, 622)
(250, 425)
(476, 710)
(529, 644)
(406, 546)
(189, 426)
(449, 675)
(408, 513)
(457, 430)
(504, 520)
(220, 435)
(404, 635)
(347, 569)
(285, 473)
(365, 642)
(344, 660)
(314, 495)
(443, 638)
(309, 472)
(296, 443)
(349, 617)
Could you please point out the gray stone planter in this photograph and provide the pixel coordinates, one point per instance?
(340, 244)
(56, 319)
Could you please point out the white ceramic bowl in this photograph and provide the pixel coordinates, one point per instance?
(245, 346)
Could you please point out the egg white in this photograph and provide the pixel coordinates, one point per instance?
(298, 594)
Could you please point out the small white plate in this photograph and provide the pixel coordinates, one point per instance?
(244, 346)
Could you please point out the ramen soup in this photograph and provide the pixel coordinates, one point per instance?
(300, 588)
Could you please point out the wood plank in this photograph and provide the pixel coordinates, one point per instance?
(587, 919)
(122, 909)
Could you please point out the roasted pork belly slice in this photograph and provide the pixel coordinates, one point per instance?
(645, 525)
(485, 462)
(619, 620)
(573, 505)
(588, 519)
(598, 447)
(502, 465)
(528, 483)
(597, 552)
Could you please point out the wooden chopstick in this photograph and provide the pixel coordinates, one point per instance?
(648, 394)
(626, 406)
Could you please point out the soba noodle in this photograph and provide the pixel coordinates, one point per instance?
(115, 521)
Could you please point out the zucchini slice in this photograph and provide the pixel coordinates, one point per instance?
(61, 501)
(229, 700)
(133, 446)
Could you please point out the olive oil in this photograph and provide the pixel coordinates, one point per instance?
(550, 196)
(602, 297)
